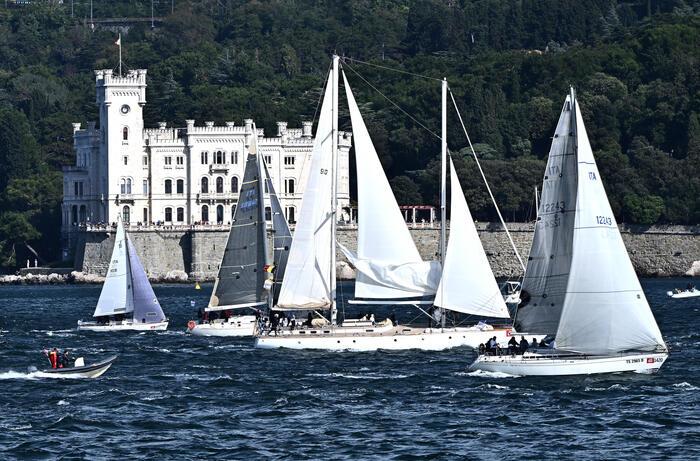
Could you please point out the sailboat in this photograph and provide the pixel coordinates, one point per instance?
(127, 300)
(389, 268)
(247, 279)
(579, 285)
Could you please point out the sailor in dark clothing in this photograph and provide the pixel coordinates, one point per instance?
(534, 343)
(513, 345)
(542, 343)
(309, 319)
(66, 359)
(392, 317)
(523, 345)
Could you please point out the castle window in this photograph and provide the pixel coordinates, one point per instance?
(122, 186)
(234, 157)
(145, 216)
(168, 186)
(180, 214)
(290, 214)
(125, 133)
(268, 159)
(83, 213)
(128, 185)
(219, 185)
(219, 157)
(219, 214)
(204, 157)
(180, 160)
(268, 213)
(234, 184)
(126, 159)
(205, 213)
(168, 160)
(145, 187)
(74, 214)
(205, 186)
(289, 160)
(289, 186)
(180, 186)
(145, 160)
(168, 214)
(126, 214)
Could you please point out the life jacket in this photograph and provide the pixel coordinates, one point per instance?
(53, 358)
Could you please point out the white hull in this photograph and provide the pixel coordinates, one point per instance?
(684, 294)
(381, 337)
(241, 325)
(86, 371)
(124, 325)
(553, 364)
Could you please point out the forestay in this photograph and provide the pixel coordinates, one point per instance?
(146, 306)
(467, 284)
(308, 283)
(605, 309)
(117, 295)
(387, 261)
(240, 282)
(547, 272)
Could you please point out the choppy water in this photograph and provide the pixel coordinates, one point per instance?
(172, 396)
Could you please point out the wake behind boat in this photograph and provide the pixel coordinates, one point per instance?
(580, 285)
(127, 300)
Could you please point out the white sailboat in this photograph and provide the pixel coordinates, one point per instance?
(243, 283)
(127, 300)
(580, 284)
(389, 268)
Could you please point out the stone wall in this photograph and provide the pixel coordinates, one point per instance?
(655, 251)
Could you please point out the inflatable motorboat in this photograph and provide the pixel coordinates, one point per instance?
(79, 369)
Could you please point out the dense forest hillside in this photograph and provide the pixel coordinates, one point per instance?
(635, 64)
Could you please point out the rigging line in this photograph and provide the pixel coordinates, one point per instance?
(344, 58)
(483, 176)
(393, 103)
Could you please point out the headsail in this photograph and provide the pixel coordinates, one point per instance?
(146, 306)
(467, 284)
(117, 295)
(387, 261)
(605, 309)
(281, 237)
(547, 273)
(241, 278)
(308, 281)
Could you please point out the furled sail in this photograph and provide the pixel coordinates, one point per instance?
(605, 310)
(241, 278)
(467, 284)
(308, 283)
(387, 261)
(117, 295)
(281, 237)
(146, 306)
(547, 272)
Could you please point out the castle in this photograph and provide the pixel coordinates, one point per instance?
(176, 177)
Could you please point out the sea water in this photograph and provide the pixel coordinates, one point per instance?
(173, 396)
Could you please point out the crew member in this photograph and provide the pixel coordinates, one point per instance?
(65, 359)
(53, 358)
(534, 343)
(513, 345)
(523, 345)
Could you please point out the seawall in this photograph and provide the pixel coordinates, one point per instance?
(656, 251)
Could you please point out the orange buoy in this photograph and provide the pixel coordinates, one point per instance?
(191, 324)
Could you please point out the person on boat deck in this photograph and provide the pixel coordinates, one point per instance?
(65, 359)
(690, 286)
(309, 320)
(542, 343)
(392, 317)
(523, 345)
(513, 345)
(482, 349)
(534, 343)
(371, 318)
(492, 345)
(53, 358)
(292, 323)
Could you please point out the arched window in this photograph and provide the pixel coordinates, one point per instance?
(125, 133)
(290, 214)
(145, 216)
(219, 214)
(205, 213)
(268, 213)
(180, 186)
(126, 214)
(83, 213)
(122, 186)
(233, 212)
(205, 186)
(168, 214)
(219, 185)
(74, 215)
(219, 157)
(234, 184)
(168, 186)
(180, 214)
(289, 186)
(128, 185)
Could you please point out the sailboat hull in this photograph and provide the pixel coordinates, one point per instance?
(562, 364)
(385, 338)
(241, 325)
(125, 325)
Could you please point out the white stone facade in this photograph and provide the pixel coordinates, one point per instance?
(176, 176)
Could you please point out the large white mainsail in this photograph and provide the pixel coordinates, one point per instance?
(387, 261)
(467, 284)
(308, 281)
(605, 310)
(117, 296)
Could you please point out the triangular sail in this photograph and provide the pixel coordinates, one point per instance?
(467, 284)
(387, 261)
(241, 278)
(605, 309)
(281, 237)
(146, 306)
(308, 283)
(117, 295)
(547, 273)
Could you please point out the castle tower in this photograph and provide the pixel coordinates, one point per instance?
(124, 166)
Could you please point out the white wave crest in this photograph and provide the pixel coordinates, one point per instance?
(686, 386)
(488, 374)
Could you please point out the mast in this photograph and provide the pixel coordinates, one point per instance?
(443, 186)
(537, 204)
(334, 186)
